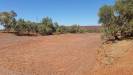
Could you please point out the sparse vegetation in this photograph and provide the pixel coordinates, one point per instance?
(45, 27)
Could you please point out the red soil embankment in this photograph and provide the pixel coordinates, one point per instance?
(115, 59)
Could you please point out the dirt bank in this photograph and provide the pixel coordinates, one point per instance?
(115, 59)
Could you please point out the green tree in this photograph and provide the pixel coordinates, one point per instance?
(107, 18)
(7, 19)
(117, 20)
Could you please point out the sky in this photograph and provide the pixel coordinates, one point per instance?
(65, 12)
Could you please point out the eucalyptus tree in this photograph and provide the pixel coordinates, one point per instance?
(7, 19)
(107, 19)
(124, 9)
(117, 19)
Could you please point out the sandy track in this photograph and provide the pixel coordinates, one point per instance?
(69, 54)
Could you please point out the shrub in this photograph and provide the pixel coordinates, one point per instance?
(46, 27)
(74, 29)
(61, 29)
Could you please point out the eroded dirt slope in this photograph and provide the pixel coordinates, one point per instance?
(115, 59)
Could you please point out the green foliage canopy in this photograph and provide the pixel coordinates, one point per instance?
(117, 19)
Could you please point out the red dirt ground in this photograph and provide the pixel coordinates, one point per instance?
(67, 54)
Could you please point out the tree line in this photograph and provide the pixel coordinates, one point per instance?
(25, 27)
(117, 20)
